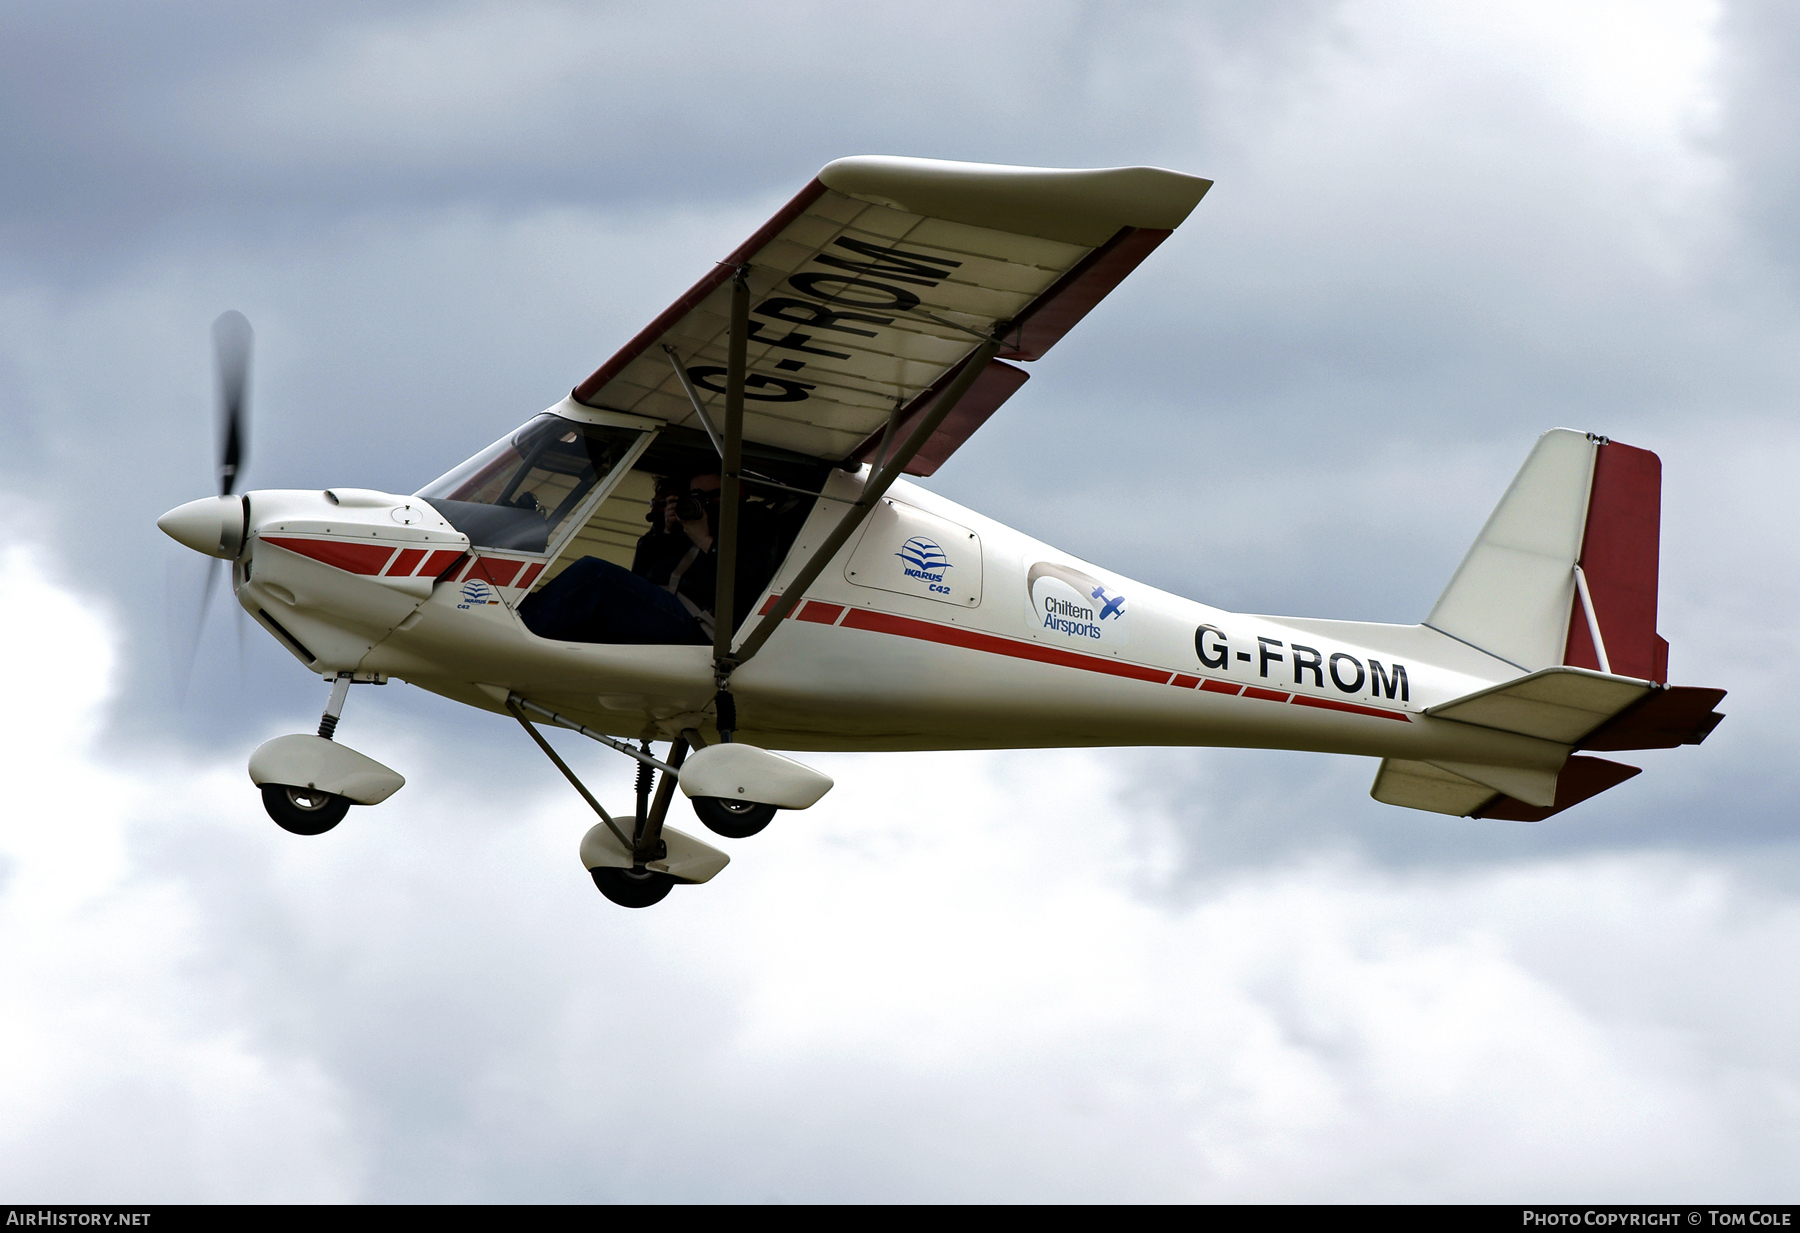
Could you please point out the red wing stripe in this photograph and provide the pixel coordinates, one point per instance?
(714, 279)
(1332, 704)
(769, 605)
(1221, 687)
(1046, 319)
(1266, 695)
(1184, 682)
(997, 382)
(530, 575)
(407, 562)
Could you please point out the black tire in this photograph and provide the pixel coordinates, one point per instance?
(632, 888)
(732, 819)
(303, 811)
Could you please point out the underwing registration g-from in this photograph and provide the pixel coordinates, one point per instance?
(709, 552)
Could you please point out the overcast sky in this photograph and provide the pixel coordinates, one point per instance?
(1437, 231)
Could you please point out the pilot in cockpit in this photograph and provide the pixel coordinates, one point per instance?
(668, 594)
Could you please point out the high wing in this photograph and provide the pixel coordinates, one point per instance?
(871, 288)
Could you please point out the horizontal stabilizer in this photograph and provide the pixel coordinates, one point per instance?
(1535, 786)
(1678, 715)
(1422, 785)
(1556, 704)
(1580, 779)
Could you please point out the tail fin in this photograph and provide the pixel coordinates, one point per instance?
(1570, 552)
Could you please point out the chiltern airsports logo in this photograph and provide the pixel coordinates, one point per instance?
(1076, 606)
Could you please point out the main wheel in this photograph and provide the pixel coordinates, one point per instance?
(304, 811)
(632, 888)
(732, 819)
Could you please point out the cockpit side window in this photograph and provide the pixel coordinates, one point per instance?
(515, 494)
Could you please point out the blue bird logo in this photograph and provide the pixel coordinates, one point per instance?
(474, 592)
(924, 555)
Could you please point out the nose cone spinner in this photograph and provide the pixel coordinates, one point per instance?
(211, 525)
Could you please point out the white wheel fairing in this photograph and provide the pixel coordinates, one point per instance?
(304, 761)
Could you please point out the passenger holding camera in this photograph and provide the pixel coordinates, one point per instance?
(685, 514)
(668, 594)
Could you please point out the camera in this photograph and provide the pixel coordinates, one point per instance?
(692, 506)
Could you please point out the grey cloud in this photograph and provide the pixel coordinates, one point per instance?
(129, 126)
(440, 218)
(1762, 43)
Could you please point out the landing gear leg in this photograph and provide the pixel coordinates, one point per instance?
(334, 707)
(636, 887)
(649, 843)
(308, 810)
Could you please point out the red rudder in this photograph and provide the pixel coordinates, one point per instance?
(1619, 558)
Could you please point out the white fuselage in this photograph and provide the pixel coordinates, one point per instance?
(934, 628)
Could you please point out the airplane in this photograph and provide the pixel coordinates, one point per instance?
(860, 336)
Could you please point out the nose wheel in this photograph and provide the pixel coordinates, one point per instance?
(334, 776)
(303, 811)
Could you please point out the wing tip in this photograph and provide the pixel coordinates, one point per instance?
(1085, 206)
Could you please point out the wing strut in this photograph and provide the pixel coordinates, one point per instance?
(646, 843)
(879, 483)
(693, 394)
(726, 659)
(725, 585)
(512, 704)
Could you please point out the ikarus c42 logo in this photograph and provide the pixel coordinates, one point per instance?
(1068, 604)
(910, 552)
(923, 559)
(477, 594)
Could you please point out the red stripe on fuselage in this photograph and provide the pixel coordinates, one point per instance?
(974, 640)
(994, 644)
(352, 558)
(822, 614)
(440, 561)
(1332, 704)
(406, 563)
(498, 570)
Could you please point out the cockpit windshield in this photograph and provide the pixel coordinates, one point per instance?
(517, 492)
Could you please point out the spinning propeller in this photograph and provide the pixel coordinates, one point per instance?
(231, 356)
(215, 525)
